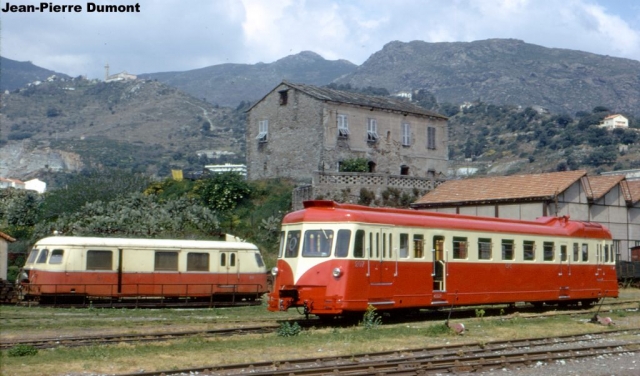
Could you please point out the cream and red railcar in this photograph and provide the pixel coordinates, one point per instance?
(122, 268)
(336, 259)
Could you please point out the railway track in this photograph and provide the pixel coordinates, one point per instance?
(453, 358)
(78, 341)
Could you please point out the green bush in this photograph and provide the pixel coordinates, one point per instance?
(287, 329)
(371, 320)
(23, 350)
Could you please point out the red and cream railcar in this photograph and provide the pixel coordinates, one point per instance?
(337, 259)
(153, 268)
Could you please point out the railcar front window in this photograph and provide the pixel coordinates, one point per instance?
(166, 261)
(282, 244)
(507, 250)
(56, 256)
(418, 246)
(484, 249)
(32, 256)
(197, 262)
(585, 252)
(529, 250)
(232, 259)
(42, 259)
(606, 253)
(563, 253)
(259, 260)
(548, 249)
(293, 244)
(342, 243)
(576, 252)
(99, 260)
(317, 243)
(459, 248)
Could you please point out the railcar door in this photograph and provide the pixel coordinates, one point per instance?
(564, 271)
(229, 269)
(439, 264)
(382, 262)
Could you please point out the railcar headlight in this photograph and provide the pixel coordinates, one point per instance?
(275, 271)
(337, 272)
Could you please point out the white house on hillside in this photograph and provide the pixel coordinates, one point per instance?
(615, 121)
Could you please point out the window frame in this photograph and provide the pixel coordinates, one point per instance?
(406, 134)
(56, 256)
(343, 125)
(512, 243)
(548, 249)
(460, 248)
(169, 257)
(529, 246)
(483, 252)
(198, 265)
(263, 130)
(431, 138)
(372, 130)
(94, 265)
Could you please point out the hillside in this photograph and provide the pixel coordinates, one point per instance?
(503, 72)
(230, 84)
(141, 125)
(16, 74)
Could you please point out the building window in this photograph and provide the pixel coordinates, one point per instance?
(284, 96)
(343, 126)
(406, 134)
(371, 166)
(431, 138)
(263, 130)
(372, 130)
(404, 170)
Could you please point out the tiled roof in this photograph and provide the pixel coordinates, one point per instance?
(503, 188)
(601, 184)
(375, 102)
(634, 189)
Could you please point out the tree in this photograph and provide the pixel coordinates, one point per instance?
(222, 192)
(354, 165)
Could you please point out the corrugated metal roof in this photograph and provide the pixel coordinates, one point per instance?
(356, 99)
(501, 188)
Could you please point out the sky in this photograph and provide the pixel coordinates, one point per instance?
(180, 35)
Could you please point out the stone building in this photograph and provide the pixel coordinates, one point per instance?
(610, 200)
(4, 251)
(615, 121)
(298, 130)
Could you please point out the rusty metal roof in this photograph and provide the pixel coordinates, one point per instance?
(356, 99)
(534, 187)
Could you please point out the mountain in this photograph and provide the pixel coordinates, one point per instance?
(17, 74)
(502, 72)
(230, 84)
(146, 126)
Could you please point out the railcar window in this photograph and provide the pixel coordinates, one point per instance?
(547, 251)
(377, 245)
(197, 262)
(99, 260)
(576, 252)
(42, 259)
(384, 245)
(358, 246)
(317, 243)
(232, 259)
(563, 253)
(32, 256)
(342, 243)
(585, 252)
(459, 247)
(282, 244)
(507, 249)
(606, 253)
(418, 246)
(223, 259)
(404, 245)
(166, 261)
(259, 260)
(484, 249)
(529, 250)
(390, 246)
(56, 256)
(293, 244)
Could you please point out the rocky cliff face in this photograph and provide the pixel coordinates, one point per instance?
(20, 159)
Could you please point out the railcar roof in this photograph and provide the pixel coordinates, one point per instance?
(329, 211)
(142, 243)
